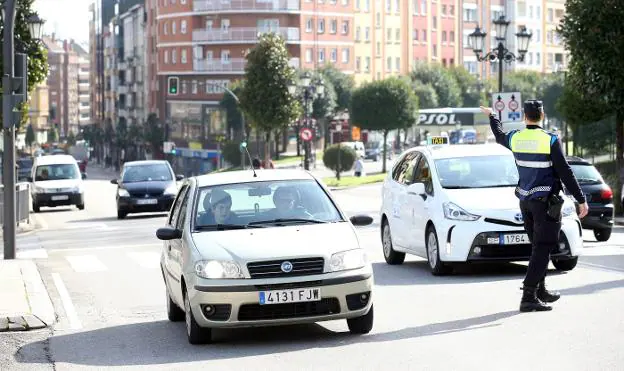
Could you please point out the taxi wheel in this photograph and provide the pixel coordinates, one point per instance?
(195, 333)
(121, 214)
(392, 257)
(438, 268)
(361, 325)
(565, 265)
(174, 312)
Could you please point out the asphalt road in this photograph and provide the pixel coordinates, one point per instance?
(103, 277)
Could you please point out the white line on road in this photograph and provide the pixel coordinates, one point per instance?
(68, 305)
(86, 263)
(106, 247)
(146, 259)
(603, 267)
(32, 254)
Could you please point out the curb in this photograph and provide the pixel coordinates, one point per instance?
(41, 313)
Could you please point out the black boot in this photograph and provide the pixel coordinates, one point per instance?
(546, 296)
(530, 302)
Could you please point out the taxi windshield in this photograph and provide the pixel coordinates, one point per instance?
(261, 204)
(477, 172)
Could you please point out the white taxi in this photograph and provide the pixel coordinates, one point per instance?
(455, 204)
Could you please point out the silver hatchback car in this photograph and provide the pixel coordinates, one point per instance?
(242, 250)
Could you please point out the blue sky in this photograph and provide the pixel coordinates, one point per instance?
(68, 19)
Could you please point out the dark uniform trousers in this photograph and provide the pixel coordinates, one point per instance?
(543, 233)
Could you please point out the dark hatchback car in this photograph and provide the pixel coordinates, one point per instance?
(599, 198)
(145, 186)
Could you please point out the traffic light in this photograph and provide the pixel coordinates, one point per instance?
(172, 85)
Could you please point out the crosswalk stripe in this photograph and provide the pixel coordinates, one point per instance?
(32, 254)
(146, 259)
(86, 263)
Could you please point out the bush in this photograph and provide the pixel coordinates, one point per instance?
(231, 153)
(347, 158)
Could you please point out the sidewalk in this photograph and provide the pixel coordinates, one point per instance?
(24, 300)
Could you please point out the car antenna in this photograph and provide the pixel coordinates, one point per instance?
(243, 146)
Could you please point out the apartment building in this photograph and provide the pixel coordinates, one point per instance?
(555, 57)
(39, 111)
(383, 40)
(132, 73)
(84, 89)
(481, 13)
(435, 34)
(529, 14)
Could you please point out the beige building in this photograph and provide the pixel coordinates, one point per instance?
(39, 111)
(555, 55)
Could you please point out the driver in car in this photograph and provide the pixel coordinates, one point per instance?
(218, 207)
(286, 200)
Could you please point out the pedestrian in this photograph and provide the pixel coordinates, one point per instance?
(256, 163)
(541, 167)
(358, 166)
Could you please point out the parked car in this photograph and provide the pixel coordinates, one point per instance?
(599, 198)
(145, 186)
(374, 151)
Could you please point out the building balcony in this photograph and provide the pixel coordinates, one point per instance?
(246, 6)
(122, 89)
(242, 34)
(234, 65)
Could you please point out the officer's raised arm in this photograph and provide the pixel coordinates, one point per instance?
(502, 138)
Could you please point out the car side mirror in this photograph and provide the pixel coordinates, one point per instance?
(29, 179)
(114, 181)
(361, 220)
(416, 189)
(84, 176)
(168, 233)
(179, 177)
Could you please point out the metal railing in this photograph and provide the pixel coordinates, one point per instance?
(22, 202)
(272, 5)
(218, 65)
(247, 34)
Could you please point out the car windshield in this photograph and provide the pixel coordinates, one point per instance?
(57, 172)
(146, 173)
(586, 173)
(262, 204)
(477, 172)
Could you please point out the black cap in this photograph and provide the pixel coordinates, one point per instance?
(533, 107)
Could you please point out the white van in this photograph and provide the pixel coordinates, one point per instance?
(56, 181)
(358, 147)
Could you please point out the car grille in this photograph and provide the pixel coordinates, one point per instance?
(503, 222)
(148, 193)
(300, 267)
(256, 312)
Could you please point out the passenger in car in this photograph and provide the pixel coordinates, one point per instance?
(287, 205)
(218, 207)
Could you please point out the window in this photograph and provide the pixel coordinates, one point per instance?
(309, 24)
(388, 64)
(194, 87)
(308, 55)
(367, 34)
(259, 203)
(183, 56)
(345, 27)
(357, 33)
(452, 37)
(321, 25)
(225, 25)
(333, 55)
(345, 55)
(397, 35)
(397, 63)
(177, 204)
(423, 175)
(444, 36)
(173, 28)
(358, 63)
(321, 55)
(389, 34)
(174, 56)
(586, 174)
(183, 27)
(333, 28)
(403, 171)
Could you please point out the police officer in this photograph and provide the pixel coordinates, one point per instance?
(542, 167)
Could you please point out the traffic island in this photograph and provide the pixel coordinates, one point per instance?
(24, 301)
(353, 181)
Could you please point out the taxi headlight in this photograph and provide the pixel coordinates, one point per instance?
(454, 212)
(215, 269)
(171, 190)
(568, 210)
(346, 260)
(41, 190)
(123, 193)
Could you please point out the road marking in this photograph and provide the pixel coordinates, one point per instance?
(106, 247)
(86, 263)
(68, 305)
(603, 267)
(99, 226)
(146, 259)
(32, 254)
(41, 221)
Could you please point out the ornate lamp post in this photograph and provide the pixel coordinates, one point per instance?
(500, 53)
(307, 90)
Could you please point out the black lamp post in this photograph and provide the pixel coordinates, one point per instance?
(310, 90)
(14, 91)
(500, 53)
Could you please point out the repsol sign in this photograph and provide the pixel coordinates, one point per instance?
(445, 119)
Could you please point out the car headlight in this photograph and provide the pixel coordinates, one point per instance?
(346, 260)
(123, 193)
(171, 190)
(454, 212)
(215, 269)
(568, 210)
(40, 190)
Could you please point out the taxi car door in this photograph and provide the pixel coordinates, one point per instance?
(401, 207)
(173, 252)
(421, 206)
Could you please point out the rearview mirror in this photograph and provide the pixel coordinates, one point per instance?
(361, 220)
(259, 191)
(416, 189)
(168, 233)
(114, 181)
(179, 177)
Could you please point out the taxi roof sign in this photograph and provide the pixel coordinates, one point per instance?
(436, 140)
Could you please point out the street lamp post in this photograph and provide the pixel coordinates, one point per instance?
(309, 91)
(500, 53)
(10, 85)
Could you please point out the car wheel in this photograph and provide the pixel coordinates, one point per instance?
(602, 234)
(36, 208)
(392, 257)
(174, 312)
(121, 214)
(80, 207)
(565, 264)
(438, 268)
(196, 334)
(361, 325)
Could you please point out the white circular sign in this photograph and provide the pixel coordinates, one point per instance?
(306, 134)
(499, 105)
(513, 105)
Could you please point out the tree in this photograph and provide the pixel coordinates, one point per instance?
(53, 136)
(384, 105)
(154, 134)
(37, 53)
(552, 90)
(427, 96)
(71, 138)
(265, 97)
(30, 136)
(467, 83)
(592, 31)
(440, 79)
(343, 85)
(232, 109)
(339, 158)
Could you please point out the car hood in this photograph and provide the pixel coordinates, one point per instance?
(61, 183)
(309, 240)
(152, 185)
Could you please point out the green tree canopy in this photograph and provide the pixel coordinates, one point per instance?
(384, 105)
(427, 95)
(444, 83)
(233, 109)
(30, 136)
(342, 83)
(467, 83)
(53, 136)
(71, 138)
(154, 133)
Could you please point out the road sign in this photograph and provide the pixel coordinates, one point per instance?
(305, 134)
(508, 106)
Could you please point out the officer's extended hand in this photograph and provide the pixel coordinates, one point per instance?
(487, 110)
(583, 209)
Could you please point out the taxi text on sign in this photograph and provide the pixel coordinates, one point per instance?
(512, 109)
